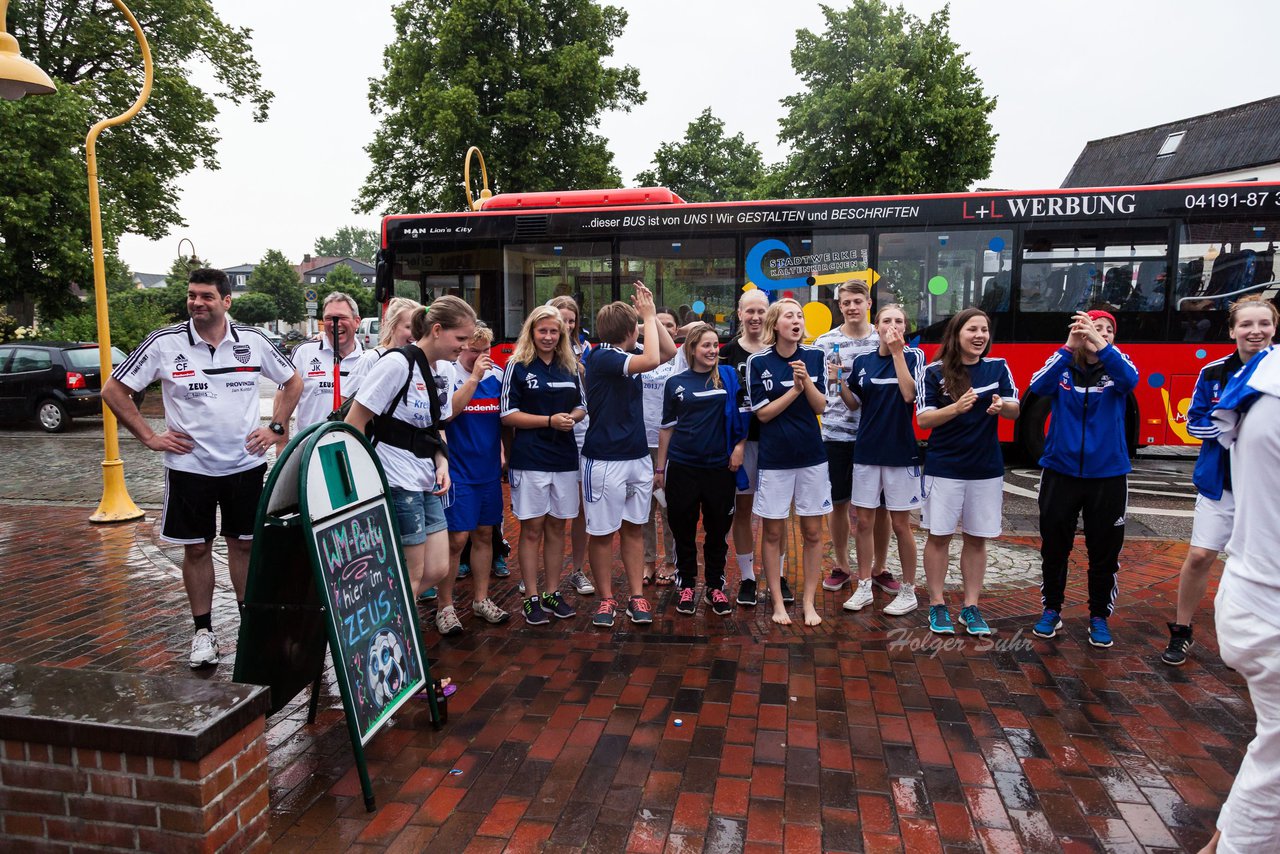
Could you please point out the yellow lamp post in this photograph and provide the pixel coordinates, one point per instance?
(19, 77)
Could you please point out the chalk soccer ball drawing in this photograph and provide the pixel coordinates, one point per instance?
(387, 667)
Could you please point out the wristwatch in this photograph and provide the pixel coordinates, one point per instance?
(276, 427)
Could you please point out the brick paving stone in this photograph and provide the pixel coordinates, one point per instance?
(865, 734)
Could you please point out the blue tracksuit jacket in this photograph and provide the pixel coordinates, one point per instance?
(1086, 434)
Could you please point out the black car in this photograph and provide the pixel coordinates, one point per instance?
(51, 381)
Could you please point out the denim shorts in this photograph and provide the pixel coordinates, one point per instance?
(418, 514)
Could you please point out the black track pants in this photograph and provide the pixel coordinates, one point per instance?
(691, 491)
(1102, 501)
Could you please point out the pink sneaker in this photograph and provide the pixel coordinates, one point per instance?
(886, 582)
(837, 579)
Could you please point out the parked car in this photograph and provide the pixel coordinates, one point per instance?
(51, 381)
(367, 333)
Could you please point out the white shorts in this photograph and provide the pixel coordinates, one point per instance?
(973, 505)
(751, 465)
(809, 487)
(535, 494)
(616, 491)
(902, 486)
(1211, 527)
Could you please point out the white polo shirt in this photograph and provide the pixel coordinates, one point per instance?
(210, 393)
(314, 361)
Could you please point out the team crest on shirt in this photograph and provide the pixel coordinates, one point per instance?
(242, 352)
(181, 367)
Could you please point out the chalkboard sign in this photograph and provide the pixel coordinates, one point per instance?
(377, 654)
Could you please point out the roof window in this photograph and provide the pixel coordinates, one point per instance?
(1171, 144)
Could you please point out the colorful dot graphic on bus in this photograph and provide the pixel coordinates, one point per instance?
(1200, 354)
(699, 307)
(996, 244)
(1155, 380)
(938, 285)
(755, 267)
(817, 319)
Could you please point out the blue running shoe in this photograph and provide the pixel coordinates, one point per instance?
(428, 595)
(500, 569)
(1099, 634)
(1050, 622)
(971, 619)
(464, 569)
(940, 620)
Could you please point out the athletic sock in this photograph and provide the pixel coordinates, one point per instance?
(204, 621)
(746, 567)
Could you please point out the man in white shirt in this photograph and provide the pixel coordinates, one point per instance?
(208, 368)
(314, 360)
(1247, 607)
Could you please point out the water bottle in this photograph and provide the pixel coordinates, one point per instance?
(839, 365)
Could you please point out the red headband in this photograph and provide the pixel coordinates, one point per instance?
(1097, 312)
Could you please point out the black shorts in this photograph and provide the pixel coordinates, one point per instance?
(191, 501)
(840, 470)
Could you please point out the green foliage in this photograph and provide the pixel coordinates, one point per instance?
(91, 53)
(277, 278)
(351, 242)
(344, 280)
(522, 79)
(253, 308)
(132, 315)
(707, 166)
(889, 106)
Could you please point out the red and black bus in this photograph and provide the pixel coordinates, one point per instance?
(1165, 260)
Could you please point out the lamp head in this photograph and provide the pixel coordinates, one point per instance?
(19, 76)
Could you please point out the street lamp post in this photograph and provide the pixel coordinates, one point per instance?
(19, 77)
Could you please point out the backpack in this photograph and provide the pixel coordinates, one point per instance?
(422, 442)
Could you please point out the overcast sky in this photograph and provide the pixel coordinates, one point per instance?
(1064, 71)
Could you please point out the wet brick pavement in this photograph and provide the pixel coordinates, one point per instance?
(864, 734)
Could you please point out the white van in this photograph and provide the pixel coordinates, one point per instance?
(367, 333)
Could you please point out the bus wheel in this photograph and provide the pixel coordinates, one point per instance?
(1033, 427)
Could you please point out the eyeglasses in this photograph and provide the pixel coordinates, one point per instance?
(338, 317)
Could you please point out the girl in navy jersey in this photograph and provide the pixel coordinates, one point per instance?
(542, 400)
(882, 386)
(964, 392)
(700, 449)
(786, 385)
(1252, 325)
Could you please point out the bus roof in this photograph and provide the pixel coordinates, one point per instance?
(583, 199)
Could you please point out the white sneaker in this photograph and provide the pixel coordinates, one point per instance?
(862, 596)
(904, 603)
(520, 585)
(489, 610)
(204, 649)
(578, 579)
(447, 621)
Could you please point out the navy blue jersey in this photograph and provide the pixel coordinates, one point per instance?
(541, 389)
(966, 447)
(616, 402)
(885, 434)
(793, 439)
(475, 433)
(694, 407)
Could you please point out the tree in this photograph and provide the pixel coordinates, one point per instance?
(277, 278)
(133, 316)
(351, 242)
(890, 106)
(254, 308)
(707, 166)
(344, 280)
(93, 59)
(522, 79)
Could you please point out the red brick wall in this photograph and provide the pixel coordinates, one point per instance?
(52, 798)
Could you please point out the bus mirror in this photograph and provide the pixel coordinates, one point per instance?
(384, 284)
